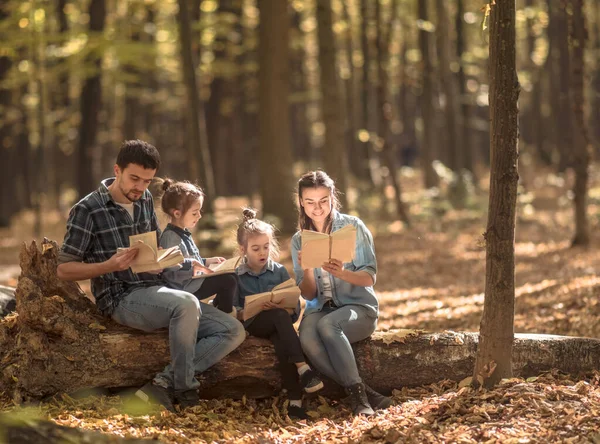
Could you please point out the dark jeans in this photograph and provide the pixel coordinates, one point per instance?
(224, 286)
(277, 326)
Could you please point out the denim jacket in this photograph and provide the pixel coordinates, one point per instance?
(180, 277)
(343, 293)
(251, 283)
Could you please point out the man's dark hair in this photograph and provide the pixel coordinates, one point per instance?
(140, 153)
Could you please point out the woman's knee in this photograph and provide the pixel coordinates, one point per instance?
(327, 327)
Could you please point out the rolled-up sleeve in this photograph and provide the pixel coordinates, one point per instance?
(180, 273)
(80, 233)
(296, 246)
(364, 257)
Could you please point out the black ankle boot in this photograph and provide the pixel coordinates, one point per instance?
(377, 400)
(358, 400)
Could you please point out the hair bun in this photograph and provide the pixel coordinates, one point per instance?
(167, 183)
(249, 213)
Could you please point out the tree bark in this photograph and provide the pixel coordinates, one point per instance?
(428, 144)
(581, 149)
(199, 160)
(58, 342)
(497, 324)
(275, 180)
(333, 152)
(90, 103)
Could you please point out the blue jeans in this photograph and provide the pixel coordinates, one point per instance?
(326, 337)
(199, 335)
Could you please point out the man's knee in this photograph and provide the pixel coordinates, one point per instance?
(187, 303)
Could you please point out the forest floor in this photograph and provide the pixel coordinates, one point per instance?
(431, 277)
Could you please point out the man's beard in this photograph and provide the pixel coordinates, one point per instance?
(130, 195)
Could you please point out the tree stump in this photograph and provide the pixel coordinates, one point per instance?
(58, 342)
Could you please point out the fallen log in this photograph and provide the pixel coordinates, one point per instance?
(57, 342)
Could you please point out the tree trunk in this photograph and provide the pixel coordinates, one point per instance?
(90, 103)
(334, 150)
(199, 161)
(464, 96)
(581, 152)
(497, 324)
(7, 182)
(595, 105)
(535, 119)
(276, 181)
(58, 342)
(384, 108)
(428, 143)
(565, 134)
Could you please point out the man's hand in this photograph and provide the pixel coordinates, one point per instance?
(214, 260)
(121, 260)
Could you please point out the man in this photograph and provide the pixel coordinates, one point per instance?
(101, 223)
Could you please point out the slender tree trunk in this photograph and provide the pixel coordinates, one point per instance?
(90, 104)
(594, 118)
(464, 97)
(276, 181)
(535, 121)
(366, 151)
(334, 152)
(7, 183)
(494, 355)
(199, 161)
(428, 144)
(453, 144)
(580, 149)
(565, 134)
(132, 88)
(384, 107)
(552, 69)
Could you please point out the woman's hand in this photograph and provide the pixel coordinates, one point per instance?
(199, 268)
(214, 260)
(335, 268)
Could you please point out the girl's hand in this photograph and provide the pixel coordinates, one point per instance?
(270, 306)
(199, 268)
(214, 260)
(334, 267)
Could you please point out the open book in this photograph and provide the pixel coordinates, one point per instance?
(318, 248)
(149, 257)
(286, 294)
(228, 266)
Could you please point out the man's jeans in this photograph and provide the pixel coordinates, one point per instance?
(326, 337)
(199, 334)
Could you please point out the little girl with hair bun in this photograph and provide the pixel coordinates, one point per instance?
(258, 274)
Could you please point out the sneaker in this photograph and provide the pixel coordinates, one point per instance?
(156, 394)
(187, 398)
(295, 412)
(358, 400)
(310, 382)
(377, 400)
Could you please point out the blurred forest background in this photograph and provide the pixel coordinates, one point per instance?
(244, 95)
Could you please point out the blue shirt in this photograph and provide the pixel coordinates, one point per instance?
(96, 227)
(272, 274)
(180, 277)
(343, 293)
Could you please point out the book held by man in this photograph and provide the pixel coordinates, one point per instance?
(318, 248)
(228, 266)
(285, 294)
(150, 257)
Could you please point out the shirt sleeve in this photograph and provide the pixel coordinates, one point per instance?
(364, 257)
(181, 273)
(296, 246)
(80, 234)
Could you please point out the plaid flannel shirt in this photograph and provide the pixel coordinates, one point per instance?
(96, 227)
